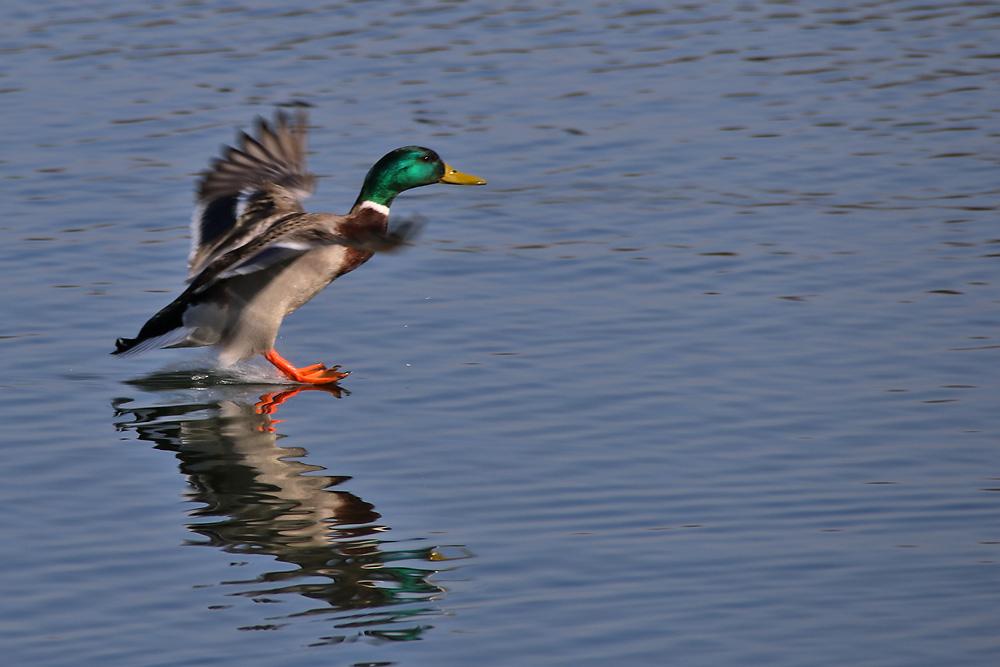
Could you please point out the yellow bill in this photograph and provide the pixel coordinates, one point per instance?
(455, 177)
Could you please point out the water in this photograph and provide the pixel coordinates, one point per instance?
(705, 375)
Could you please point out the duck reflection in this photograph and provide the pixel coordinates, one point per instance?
(256, 497)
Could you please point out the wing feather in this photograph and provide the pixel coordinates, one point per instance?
(263, 176)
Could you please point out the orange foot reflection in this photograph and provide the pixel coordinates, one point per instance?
(317, 374)
(268, 403)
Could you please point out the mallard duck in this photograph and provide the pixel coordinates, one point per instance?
(257, 256)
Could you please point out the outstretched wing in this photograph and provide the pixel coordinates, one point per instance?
(263, 177)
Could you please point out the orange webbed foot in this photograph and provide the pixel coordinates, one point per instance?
(314, 374)
(319, 374)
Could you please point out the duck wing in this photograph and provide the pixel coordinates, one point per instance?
(263, 178)
(234, 278)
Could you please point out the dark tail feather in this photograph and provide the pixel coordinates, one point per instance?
(123, 345)
(164, 322)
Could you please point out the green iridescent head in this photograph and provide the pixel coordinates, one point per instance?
(405, 168)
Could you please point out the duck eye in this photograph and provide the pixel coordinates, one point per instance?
(426, 158)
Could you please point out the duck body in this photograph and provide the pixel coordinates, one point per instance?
(257, 256)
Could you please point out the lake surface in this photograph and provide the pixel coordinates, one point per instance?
(705, 375)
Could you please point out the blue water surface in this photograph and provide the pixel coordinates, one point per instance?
(705, 375)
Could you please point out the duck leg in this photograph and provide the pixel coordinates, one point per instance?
(315, 374)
